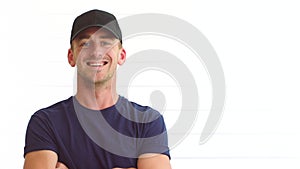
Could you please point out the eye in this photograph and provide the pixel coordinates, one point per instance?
(106, 43)
(85, 44)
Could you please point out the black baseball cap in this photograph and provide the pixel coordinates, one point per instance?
(96, 18)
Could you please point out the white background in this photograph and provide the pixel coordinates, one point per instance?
(256, 41)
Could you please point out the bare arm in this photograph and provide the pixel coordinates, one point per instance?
(154, 161)
(42, 159)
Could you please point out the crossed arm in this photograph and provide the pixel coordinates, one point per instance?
(47, 159)
(43, 159)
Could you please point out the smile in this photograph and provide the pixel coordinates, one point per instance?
(97, 64)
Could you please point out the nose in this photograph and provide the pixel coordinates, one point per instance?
(97, 51)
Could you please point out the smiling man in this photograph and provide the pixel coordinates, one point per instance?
(80, 132)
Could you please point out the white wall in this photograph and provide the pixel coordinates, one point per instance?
(256, 41)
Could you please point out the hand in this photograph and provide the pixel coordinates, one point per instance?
(60, 165)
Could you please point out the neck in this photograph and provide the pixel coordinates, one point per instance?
(97, 96)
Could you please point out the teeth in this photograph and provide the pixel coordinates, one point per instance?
(96, 64)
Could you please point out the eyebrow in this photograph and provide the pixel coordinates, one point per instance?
(83, 36)
(107, 37)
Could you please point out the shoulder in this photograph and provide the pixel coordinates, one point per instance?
(55, 109)
(133, 105)
(44, 127)
(132, 109)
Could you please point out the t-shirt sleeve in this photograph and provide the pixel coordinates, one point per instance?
(39, 134)
(155, 138)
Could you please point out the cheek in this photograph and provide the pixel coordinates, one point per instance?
(114, 55)
(80, 55)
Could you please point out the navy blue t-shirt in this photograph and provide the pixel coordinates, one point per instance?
(108, 138)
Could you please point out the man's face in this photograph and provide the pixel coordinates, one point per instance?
(96, 53)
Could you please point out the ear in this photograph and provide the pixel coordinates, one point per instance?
(122, 57)
(71, 58)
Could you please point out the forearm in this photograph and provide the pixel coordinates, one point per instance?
(43, 159)
(154, 161)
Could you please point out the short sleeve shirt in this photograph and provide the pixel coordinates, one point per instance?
(83, 138)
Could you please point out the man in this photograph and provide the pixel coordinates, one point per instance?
(96, 128)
